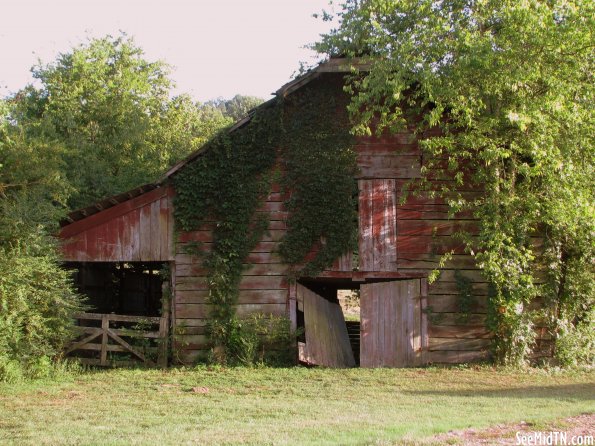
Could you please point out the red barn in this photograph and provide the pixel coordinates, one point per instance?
(135, 267)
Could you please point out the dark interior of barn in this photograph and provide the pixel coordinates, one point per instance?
(126, 288)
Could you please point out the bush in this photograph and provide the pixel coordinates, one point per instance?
(37, 305)
(575, 344)
(258, 340)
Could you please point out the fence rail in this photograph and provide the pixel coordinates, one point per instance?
(112, 339)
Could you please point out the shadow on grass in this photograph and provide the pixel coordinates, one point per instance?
(584, 392)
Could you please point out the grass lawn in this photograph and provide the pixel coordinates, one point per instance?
(283, 406)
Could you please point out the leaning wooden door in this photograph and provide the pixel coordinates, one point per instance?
(391, 324)
(327, 341)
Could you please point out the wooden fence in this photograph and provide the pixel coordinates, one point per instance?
(105, 333)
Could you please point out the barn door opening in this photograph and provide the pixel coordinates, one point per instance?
(127, 320)
(325, 340)
(392, 324)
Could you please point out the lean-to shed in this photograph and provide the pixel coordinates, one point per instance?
(129, 259)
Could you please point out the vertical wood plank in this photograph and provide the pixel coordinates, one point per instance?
(364, 335)
(114, 246)
(292, 303)
(124, 236)
(133, 235)
(144, 229)
(378, 211)
(388, 323)
(409, 322)
(377, 316)
(172, 307)
(424, 340)
(104, 338)
(90, 243)
(377, 299)
(385, 223)
(345, 262)
(312, 328)
(390, 227)
(155, 242)
(164, 253)
(391, 313)
(400, 326)
(416, 316)
(417, 330)
(366, 258)
(171, 242)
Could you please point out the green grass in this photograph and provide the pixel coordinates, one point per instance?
(283, 406)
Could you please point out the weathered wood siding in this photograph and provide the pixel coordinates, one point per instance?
(263, 288)
(423, 232)
(136, 230)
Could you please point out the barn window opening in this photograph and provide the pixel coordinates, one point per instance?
(126, 288)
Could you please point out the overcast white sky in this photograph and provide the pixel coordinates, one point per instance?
(218, 48)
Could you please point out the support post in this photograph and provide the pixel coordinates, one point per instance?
(104, 338)
(164, 326)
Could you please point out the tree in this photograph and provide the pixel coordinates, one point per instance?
(235, 108)
(111, 110)
(37, 300)
(510, 86)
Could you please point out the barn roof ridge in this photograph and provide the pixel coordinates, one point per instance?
(332, 65)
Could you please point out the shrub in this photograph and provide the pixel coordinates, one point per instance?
(575, 344)
(258, 340)
(37, 305)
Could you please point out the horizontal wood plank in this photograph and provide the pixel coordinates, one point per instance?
(457, 357)
(458, 332)
(450, 344)
(201, 311)
(449, 303)
(245, 297)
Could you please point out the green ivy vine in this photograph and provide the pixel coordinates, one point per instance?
(223, 188)
(320, 168)
(307, 136)
(466, 300)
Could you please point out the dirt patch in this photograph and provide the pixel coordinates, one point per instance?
(574, 427)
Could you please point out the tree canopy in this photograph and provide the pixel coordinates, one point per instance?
(510, 86)
(111, 109)
(237, 107)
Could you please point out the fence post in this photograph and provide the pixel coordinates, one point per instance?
(164, 326)
(104, 328)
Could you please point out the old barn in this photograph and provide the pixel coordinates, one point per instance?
(133, 264)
